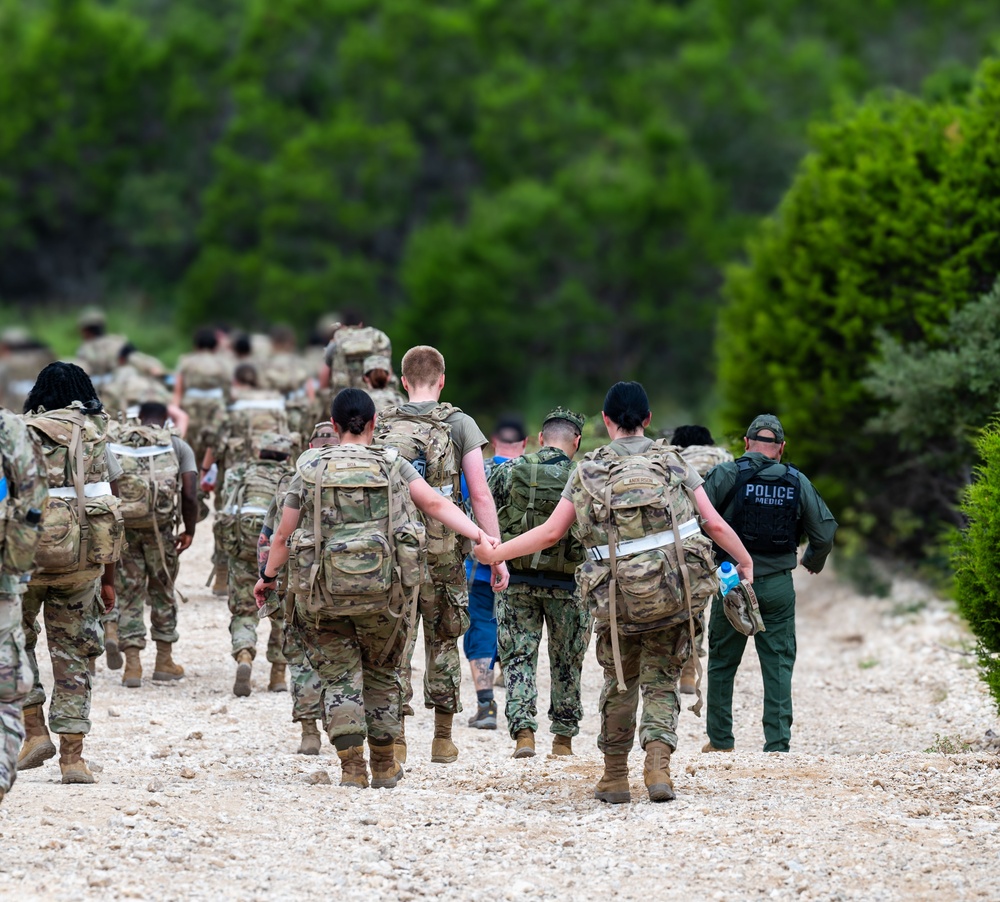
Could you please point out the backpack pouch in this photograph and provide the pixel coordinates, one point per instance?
(411, 553)
(107, 530)
(360, 567)
(301, 559)
(59, 546)
(247, 535)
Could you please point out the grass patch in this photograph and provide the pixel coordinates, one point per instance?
(948, 745)
(868, 663)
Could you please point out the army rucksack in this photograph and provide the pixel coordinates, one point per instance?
(82, 526)
(351, 345)
(23, 489)
(248, 493)
(536, 486)
(650, 566)
(360, 540)
(425, 441)
(150, 484)
(247, 419)
(702, 458)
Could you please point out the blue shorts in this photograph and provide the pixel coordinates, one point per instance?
(480, 640)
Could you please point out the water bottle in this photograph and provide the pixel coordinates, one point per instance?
(728, 578)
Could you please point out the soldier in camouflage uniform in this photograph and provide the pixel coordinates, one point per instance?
(137, 380)
(358, 656)
(272, 467)
(21, 359)
(698, 448)
(72, 609)
(537, 595)
(378, 384)
(307, 691)
(649, 661)
(147, 572)
(23, 489)
(98, 355)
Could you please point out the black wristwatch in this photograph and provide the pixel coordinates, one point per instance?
(265, 577)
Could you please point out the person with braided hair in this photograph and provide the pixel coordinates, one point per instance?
(70, 600)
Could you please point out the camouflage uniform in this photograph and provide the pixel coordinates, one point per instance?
(129, 387)
(205, 377)
(21, 361)
(26, 484)
(99, 357)
(141, 574)
(531, 600)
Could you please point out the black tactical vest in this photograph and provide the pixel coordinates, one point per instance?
(764, 512)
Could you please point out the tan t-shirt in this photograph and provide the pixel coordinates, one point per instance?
(634, 444)
(465, 434)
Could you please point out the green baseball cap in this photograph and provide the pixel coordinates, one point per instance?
(564, 413)
(766, 421)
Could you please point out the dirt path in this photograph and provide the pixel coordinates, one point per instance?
(202, 796)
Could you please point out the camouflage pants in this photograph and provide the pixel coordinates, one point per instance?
(73, 628)
(651, 662)
(521, 611)
(243, 619)
(307, 690)
(362, 693)
(444, 610)
(15, 684)
(142, 576)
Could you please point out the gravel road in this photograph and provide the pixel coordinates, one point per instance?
(890, 792)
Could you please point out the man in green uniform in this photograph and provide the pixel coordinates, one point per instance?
(770, 506)
(541, 590)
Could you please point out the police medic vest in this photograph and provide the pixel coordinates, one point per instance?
(764, 512)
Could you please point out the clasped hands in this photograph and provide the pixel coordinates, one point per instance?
(485, 549)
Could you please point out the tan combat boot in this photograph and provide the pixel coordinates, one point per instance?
(353, 768)
(386, 771)
(74, 768)
(524, 744)
(310, 739)
(708, 747)
(132, 674)
(165, 668)
(111, 650)
(244, 667)
(689, 675)
(613, 785)
(277, 682)
(399, 746)
(38, 746)
(443, 750)
(656, 772)
(562, 745)
(220, 588)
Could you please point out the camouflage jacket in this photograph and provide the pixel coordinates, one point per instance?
(26, 483)
(703, 457)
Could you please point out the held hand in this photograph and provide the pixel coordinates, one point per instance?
(108, 597)
(183, 542)
(260, 591)
(745, 570)
(485, 551)
(500, 576)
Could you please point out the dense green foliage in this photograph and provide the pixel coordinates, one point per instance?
(890, 226)
(976, 558)
(446, 166)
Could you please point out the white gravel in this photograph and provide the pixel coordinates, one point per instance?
(202, 796)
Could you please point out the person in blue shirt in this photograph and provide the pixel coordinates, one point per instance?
(480, 642)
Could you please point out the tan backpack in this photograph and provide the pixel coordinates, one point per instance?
(425, 441)
(23, 490)
(649, 564)
(351, 345)
(150, 484)
(360, 541)
(248, 492)
(82, 526)
(249, 416)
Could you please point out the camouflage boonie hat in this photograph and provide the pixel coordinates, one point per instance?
(91, 317)
(742, 610)
(769, 422)
(274, 441)
(377, 362)
(564, 413)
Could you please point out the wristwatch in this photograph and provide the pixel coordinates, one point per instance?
(265, 577)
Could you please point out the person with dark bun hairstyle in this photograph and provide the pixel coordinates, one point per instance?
(631, 503)
(350, 523)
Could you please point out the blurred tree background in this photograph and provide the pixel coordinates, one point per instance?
(552, 193)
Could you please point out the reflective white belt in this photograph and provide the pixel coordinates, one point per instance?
(246, 509)
(297, 395)
(258, 404)
(149, 451)
(103, 379)
(132, 413)
(203, 393)
(646, 543)
(91, 490)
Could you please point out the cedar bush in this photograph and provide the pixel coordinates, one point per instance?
(976, 558)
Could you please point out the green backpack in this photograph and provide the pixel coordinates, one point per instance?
(360, 540)
(248, 492)
(536, 486)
